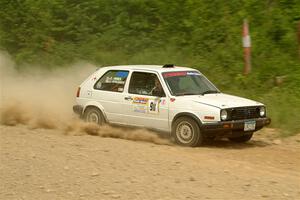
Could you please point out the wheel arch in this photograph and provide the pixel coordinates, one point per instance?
(187, 114)
(95, 105)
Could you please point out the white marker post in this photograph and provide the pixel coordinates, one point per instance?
(247, 48)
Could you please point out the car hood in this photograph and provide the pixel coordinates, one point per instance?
(221, 100)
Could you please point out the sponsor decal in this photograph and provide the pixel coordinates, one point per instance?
(117, 80)
(122, 74)
(209, 117)
(163, 102)
(193, 73)
(172, 99)
(140, 100)
(170, 74)
(140, 109)
(146, 105)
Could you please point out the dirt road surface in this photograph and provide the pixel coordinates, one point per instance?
(47, 164)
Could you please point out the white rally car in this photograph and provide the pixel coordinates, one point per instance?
(177, 100)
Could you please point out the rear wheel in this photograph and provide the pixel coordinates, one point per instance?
(241, 139)
(93, 115)
(186, 132)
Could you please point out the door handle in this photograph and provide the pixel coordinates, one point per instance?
(128, 98)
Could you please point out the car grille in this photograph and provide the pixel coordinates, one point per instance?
(244, 113)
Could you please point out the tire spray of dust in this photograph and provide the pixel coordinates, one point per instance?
(41, 98)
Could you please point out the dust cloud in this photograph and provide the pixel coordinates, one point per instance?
(44, 98)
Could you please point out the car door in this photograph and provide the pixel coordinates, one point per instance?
(147, 105)
(109, 92)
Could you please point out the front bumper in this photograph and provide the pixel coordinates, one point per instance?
(232, 128)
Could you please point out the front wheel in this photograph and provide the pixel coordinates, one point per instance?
(241, 139)
(93, 115)
(186, 132)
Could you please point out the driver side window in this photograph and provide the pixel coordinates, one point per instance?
(145, 84)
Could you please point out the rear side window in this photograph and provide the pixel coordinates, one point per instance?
(113, 80)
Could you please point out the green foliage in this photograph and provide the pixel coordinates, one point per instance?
(205, 34)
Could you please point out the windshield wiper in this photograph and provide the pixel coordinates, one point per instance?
(210, 92)
(187, 93)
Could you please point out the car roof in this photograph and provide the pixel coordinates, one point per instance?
(157, 68)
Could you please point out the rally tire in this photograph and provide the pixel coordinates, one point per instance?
(93, 115)
(186, 132)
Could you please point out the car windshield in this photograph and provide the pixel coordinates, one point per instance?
(188, 83)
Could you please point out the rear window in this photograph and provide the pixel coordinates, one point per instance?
(113, 80)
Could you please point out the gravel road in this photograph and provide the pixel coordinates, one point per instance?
(48, 164)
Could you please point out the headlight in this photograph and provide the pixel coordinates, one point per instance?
(262, 111)
(224, 115)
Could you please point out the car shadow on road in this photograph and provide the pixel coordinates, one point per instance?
(226, 144)
(211, 143)
(222, 142)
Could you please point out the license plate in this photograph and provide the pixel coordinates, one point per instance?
(249, 126)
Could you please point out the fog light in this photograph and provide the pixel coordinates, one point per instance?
(226, 126)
